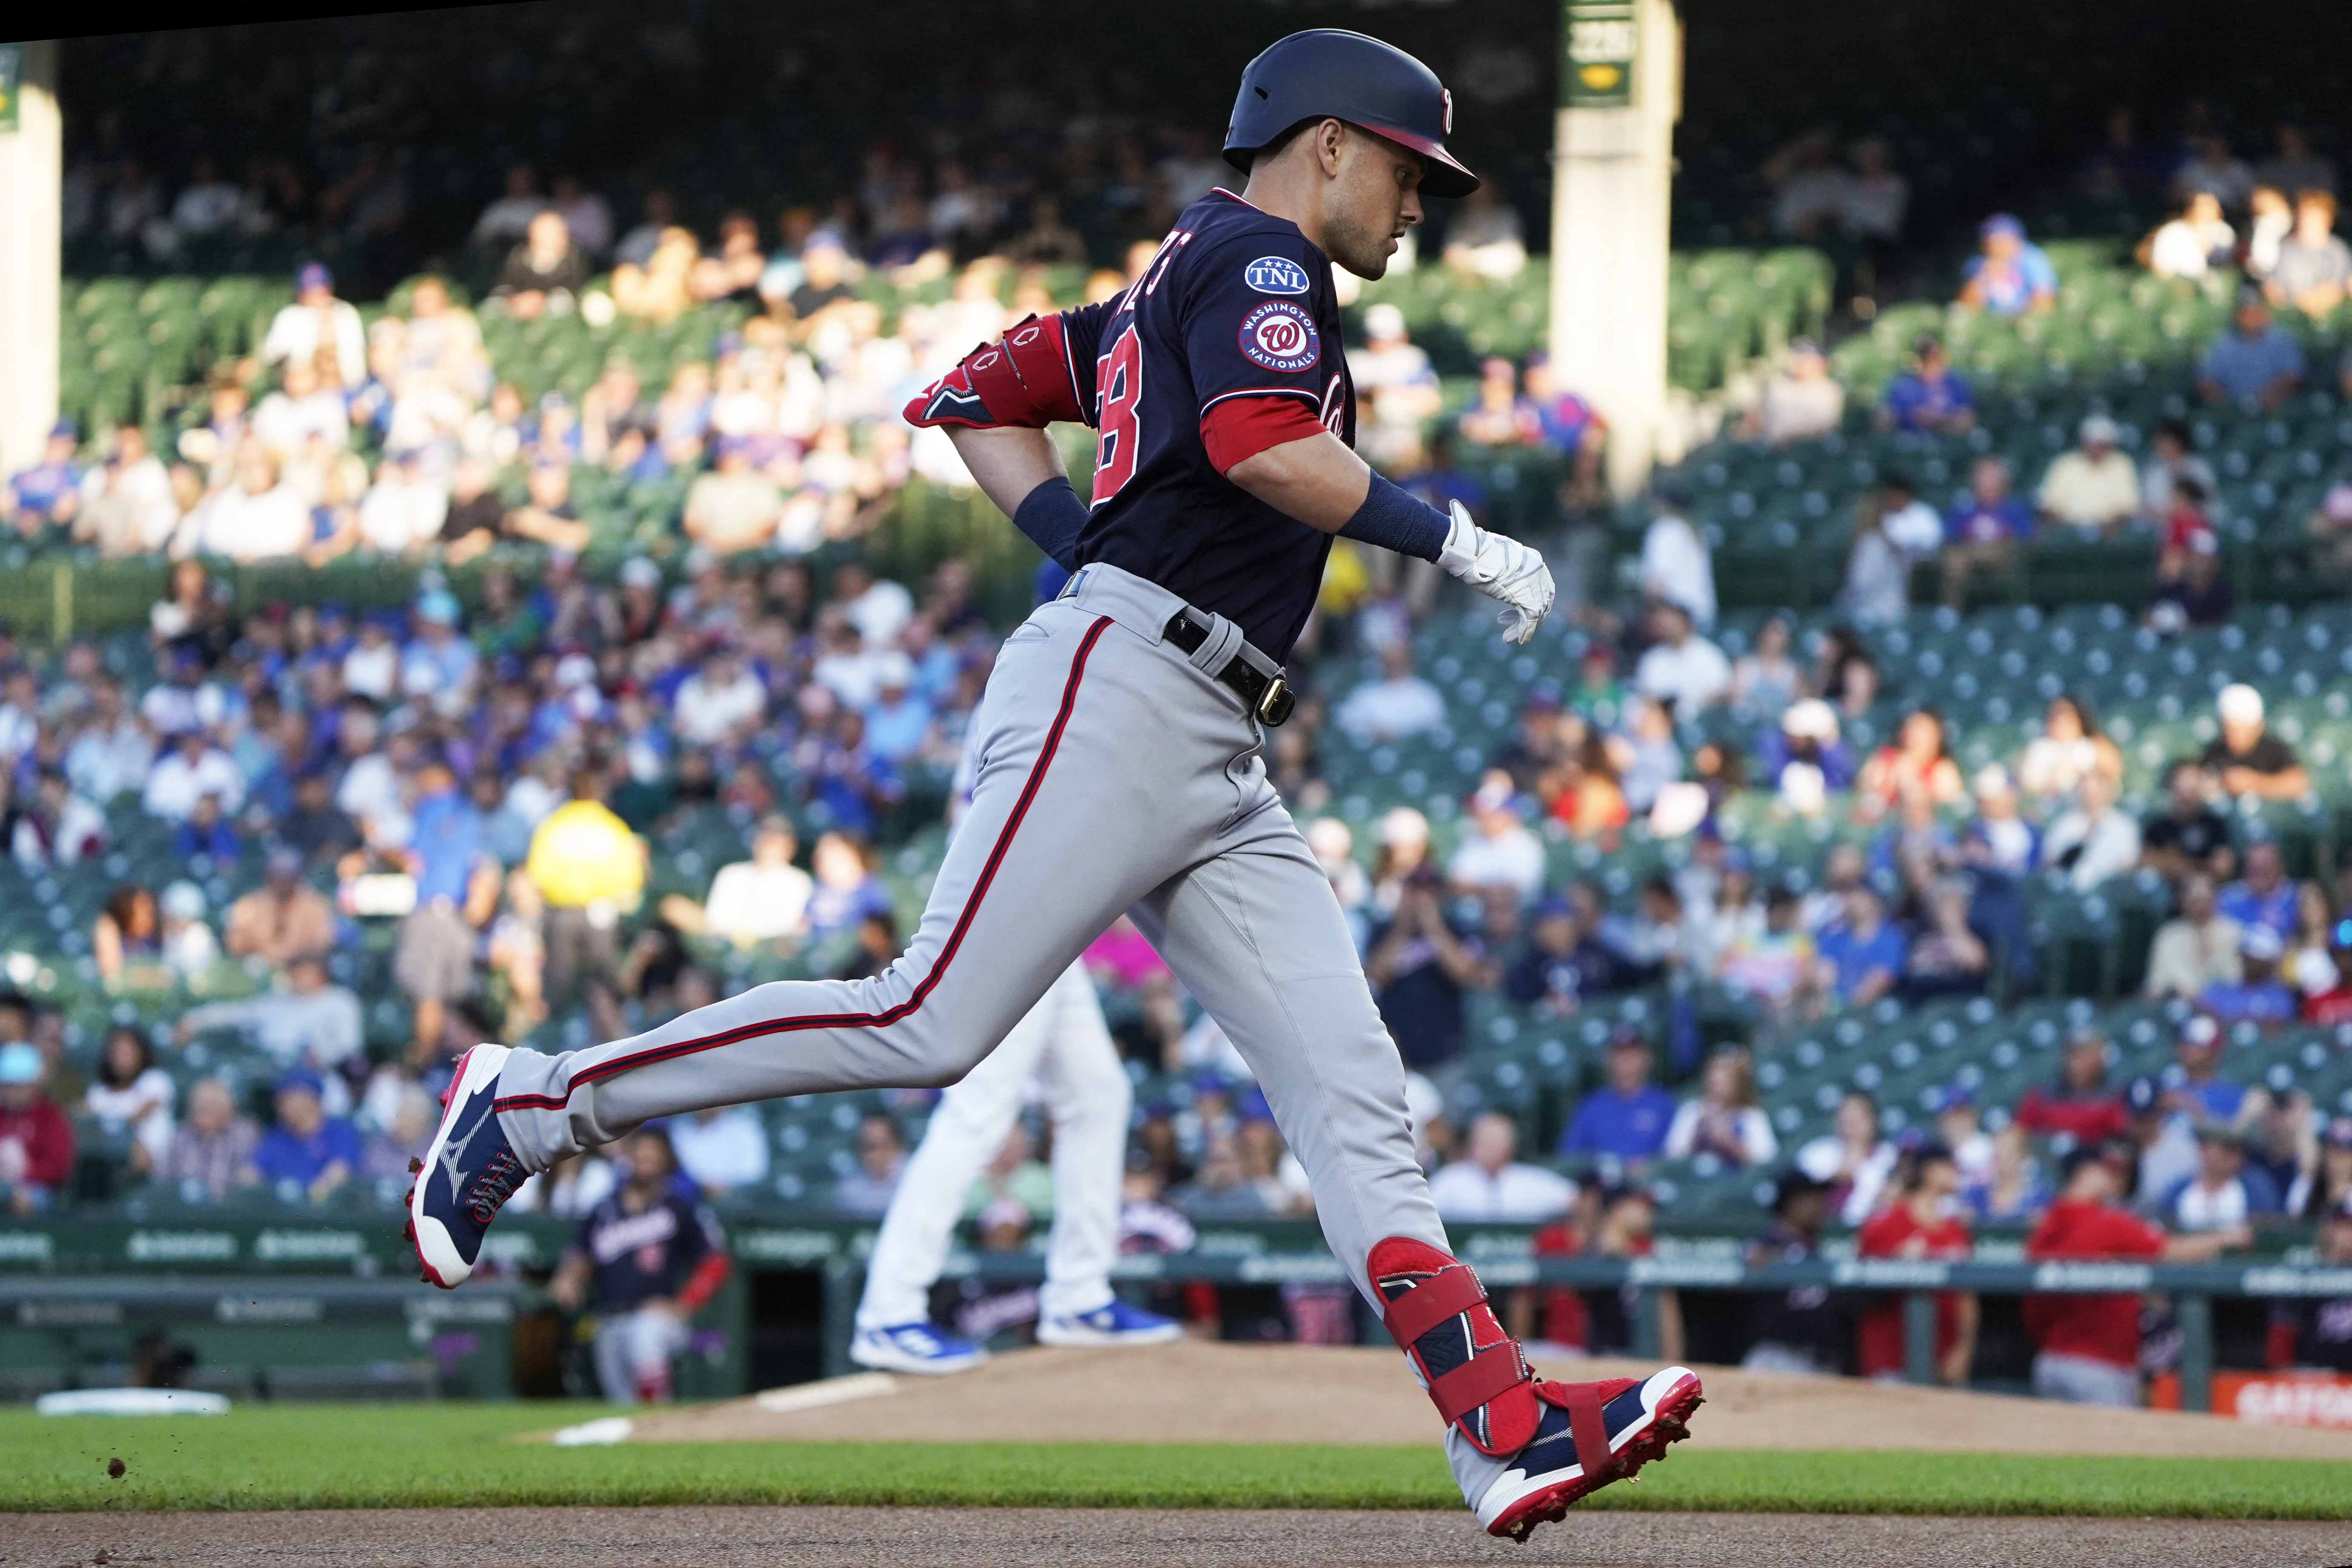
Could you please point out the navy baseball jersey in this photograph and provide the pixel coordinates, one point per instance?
(638, 1256)
(1228, 344)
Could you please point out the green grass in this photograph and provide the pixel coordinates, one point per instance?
(453, 1455)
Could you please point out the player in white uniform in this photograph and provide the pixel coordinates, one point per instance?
(1063, 1046)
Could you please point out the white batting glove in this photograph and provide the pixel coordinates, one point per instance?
(1501, 568)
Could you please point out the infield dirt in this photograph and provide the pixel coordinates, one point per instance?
(1197, 1392)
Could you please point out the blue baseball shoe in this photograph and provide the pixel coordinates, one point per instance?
(467, 1172)
(1587, 1435)
(1116, 1324)
(918, 1347)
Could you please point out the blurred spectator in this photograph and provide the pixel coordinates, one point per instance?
(721, 1149)
(211, 1153)
(881, 1149)
(2088, 1347)
(2079, 1103)
(1681, 669)
(2068, 750)
(1949, 958)
(647, 1259)
(2172, 459)
(1676, 568)
(2013, 1192)
(1503, 853)
(2264, 896)
(311, 1020)
(2190, 588)
(2313, 266)
(1917, 762)
(1482, 237)
(1396, 387)
(1489, 1183)
(1771, 964)
(1853, 1161)
(545, 272)
(2094, 839)
(1419, 967)
(2008, 276)
(1876, 589)
(402, 1136)
(1862, 954)
(1809, 191)
(1804, 757)
(316, 321)
(2272, 220)
(589, 870)
(131, 1096)
(305, 1153)
(655, 288)
(59, 829)
(1724, 1119)
(1804, 1331)
(128, 506)
(2198, 241)
(2225, 1193)
(847, 890)
(2213, 168)
(2258, 995)
(1929, 397)
(2253, 361)
(734, 507)
(2326, 1191)
(2245, 758)
(2092, 489)
(1563, 964)
(2188, 835)
(1765, 680)
(1571, 425)
(2196, 1092)
(1919, 1225)
(127, 933)
(2294, 166)
(259, 517)
(1627, 1118)
(457, 888)
(1983, 533)
(762, 899)
(1999, 838)
(1499, 416)
(36, 1142)
(1400, 703)
(1801, 401)
(506, 220)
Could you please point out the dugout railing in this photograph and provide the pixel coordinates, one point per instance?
(302, 1309)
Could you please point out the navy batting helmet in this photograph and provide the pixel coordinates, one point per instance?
(1327, 72)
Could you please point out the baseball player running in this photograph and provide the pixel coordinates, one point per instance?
(1117, 762)
(1063, 1042)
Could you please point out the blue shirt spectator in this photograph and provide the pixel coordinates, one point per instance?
(2262, 897)
(49, 493)
(2253, 361)
(1863, 953)
(445, 837)
(899, 719)
(1931, 396)
(306, 1148)
(1989, 515)
(2011, 275)
(1626, 1118)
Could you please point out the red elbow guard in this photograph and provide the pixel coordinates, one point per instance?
(1023, 381)
(704, 1282)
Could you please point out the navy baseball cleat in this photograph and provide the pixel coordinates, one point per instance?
(467, 1172)
(918, 1348)
(1116, 1324)
(1590, 1433)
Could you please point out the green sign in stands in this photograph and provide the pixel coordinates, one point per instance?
(1598, 41)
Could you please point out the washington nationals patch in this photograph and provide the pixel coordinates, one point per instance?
(1280, 336)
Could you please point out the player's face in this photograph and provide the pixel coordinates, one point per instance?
(1375, 198)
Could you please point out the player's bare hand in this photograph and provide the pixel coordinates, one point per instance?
(1503, 568)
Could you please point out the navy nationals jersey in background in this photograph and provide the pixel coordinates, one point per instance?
(1228, 344)
(638, 1256)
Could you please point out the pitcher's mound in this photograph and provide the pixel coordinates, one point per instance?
(1203, 1392)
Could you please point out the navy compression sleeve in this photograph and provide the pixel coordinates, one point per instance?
(1051, 515)
(1394, 521)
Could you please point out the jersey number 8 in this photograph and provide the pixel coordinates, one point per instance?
(1120, 376)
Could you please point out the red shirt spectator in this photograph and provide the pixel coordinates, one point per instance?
(1920, 1226)
(37, 1143)
(2080, 1104)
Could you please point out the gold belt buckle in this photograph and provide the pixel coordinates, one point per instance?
(1274, 703)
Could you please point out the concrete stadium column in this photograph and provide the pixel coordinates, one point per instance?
(31, 167)
(1620, 95)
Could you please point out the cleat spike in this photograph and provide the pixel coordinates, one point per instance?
(415, 1165)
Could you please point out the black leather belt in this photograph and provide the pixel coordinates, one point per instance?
(1267, 696)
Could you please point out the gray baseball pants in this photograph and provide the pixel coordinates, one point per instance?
(1112, 774)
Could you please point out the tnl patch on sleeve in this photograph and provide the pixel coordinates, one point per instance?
(1276, 275)
(1281, 336)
